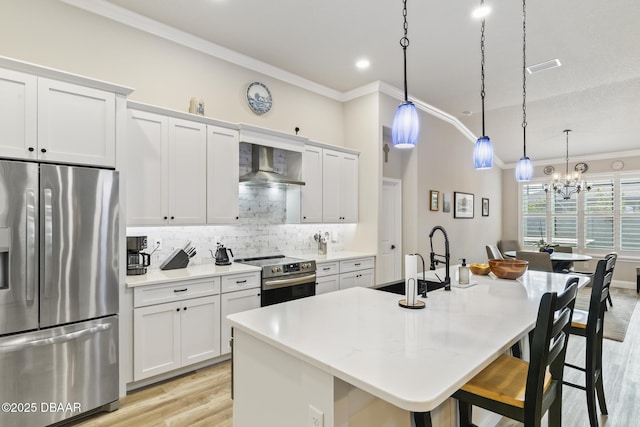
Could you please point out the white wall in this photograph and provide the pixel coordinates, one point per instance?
(56, 35)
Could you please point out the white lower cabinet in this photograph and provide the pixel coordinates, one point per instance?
(235, 302)
(357, 272)
(174, 334)
(364, 278)
(327, 284)
(334, 275)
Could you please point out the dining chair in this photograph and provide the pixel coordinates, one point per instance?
(520, 390)
(539, 261)
(508, 245)
(590, 324)
(493, 252)
(614, 256)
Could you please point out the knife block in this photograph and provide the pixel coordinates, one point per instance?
(177, 259)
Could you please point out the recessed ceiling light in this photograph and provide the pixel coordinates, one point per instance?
(362, 64)
(547, 65)
(481, 12)
(466, 113)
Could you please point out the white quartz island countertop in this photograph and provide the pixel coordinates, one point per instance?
(413, 359)
(156, 276)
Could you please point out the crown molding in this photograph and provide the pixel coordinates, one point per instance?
(139, 22)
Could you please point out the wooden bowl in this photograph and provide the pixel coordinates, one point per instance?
(508, 268)
(480, 269)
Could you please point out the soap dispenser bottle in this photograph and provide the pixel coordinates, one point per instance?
(463, 273)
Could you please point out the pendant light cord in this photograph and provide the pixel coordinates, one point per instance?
(404, 42)
(482, 67)
(566, 172)
(524, 76)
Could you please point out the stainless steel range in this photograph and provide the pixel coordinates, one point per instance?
(284, 278)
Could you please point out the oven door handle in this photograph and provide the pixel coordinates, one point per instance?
(289, 281)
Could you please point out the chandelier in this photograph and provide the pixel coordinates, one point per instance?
(572, 182)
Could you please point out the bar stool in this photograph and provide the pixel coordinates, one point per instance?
(590, 324)
(526, 391)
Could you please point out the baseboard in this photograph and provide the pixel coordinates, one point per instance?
(622, 284)
(176, 373)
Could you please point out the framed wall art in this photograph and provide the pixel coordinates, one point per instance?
(485, 206)
(446, 202)
(434, 200)
(462, 205)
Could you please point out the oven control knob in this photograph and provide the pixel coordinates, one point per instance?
(275, 269)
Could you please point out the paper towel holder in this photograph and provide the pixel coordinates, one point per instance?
(416, 305)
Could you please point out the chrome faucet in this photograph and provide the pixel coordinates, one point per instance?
(437, 258)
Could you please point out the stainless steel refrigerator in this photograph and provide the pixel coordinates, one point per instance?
(58, 291)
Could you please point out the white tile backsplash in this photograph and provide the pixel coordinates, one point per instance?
(244, 240)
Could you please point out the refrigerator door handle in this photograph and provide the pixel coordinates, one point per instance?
(48, 240)
(55, 340)
(31, 244)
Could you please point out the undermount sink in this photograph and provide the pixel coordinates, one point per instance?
(397, 287)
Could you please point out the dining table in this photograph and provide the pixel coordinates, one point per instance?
(560, 260)
(356, 357)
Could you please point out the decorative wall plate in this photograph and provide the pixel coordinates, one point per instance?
(548, 170)
(259, 98)
(581, 167)
(617, 165)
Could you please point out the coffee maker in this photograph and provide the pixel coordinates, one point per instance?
(137, 261)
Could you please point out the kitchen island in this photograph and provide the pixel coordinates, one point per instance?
(354, 357)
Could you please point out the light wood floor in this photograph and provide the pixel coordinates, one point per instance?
(203, 397)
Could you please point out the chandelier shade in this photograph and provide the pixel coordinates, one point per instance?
(483, 153)
(524, 169)
(406, 126)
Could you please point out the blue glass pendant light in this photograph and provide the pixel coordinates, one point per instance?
(524, 169)
(482, 151)
(406, 126)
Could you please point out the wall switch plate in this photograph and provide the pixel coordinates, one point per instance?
(316, 417)
(158, 244)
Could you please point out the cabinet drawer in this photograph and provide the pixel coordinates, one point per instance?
(176, 291)
(236, 282)
(356, 264)
(327, 268)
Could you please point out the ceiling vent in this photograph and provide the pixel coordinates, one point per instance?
(547, 65)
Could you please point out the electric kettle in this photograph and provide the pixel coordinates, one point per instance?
(221, 256)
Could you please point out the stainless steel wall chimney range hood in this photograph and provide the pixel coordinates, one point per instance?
(263, 142)
(262, 171)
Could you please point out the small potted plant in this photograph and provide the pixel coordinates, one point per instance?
(543, 246)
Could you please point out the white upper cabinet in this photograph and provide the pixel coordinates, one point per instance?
(223, 172)
(187, 172)
(166, 170)
(43, 119)
(311, 192)
(340, 186)
(76, 124)
(147, 165)
(18, 114)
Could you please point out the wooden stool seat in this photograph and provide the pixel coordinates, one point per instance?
(504, 380)
(579, 319)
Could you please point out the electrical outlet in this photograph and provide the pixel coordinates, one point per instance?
(158, 244)
(316, 417)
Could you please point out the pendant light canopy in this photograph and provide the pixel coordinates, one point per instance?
(406, 126)
(524, 169)
(482, 151)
